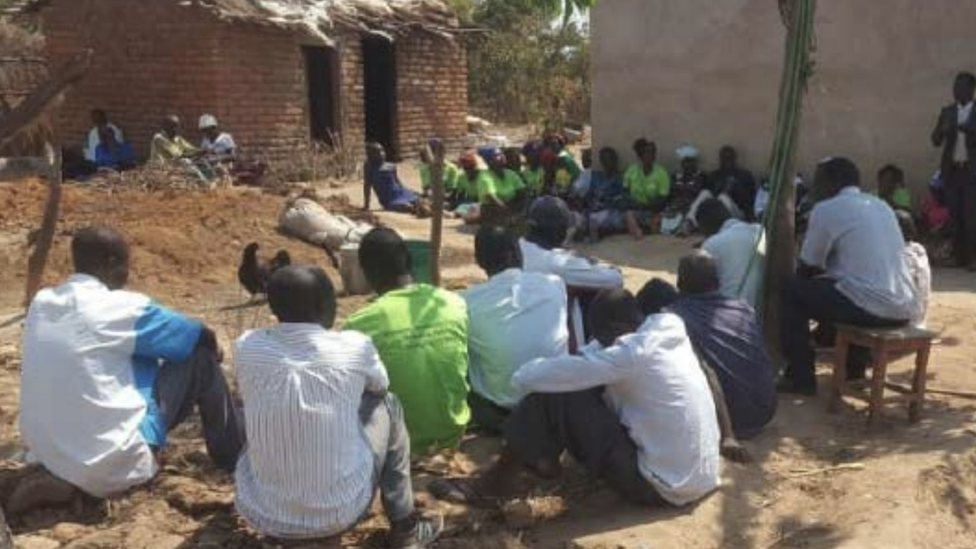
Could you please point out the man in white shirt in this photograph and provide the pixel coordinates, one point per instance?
(549, 222)
(514, 317)
(739, 250)
(634, 409)
(325, 434)
(217, 146)
(852, 271)
(107, 373)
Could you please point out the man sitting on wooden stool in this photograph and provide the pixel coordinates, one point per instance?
(852, 271)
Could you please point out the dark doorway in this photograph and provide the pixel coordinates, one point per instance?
(379, 82)
(322, 76)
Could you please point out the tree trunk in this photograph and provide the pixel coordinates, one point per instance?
(436, 221)
(798, 16)
(27, 112)
(45, 235)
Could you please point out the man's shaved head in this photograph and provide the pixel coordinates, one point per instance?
(385, 260)
(656, 296)
(302, 294)
(613, 313)
(101, 252)
(698, 274)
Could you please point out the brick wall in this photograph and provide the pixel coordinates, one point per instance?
(165, 58)
(149, 62)
(432, 92)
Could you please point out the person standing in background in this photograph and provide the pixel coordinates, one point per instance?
(955, 132)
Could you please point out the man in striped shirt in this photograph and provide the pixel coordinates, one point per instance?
(323, 431)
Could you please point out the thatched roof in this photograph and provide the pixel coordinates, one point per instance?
(323, 18)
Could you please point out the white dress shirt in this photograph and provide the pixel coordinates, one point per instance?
(855, 238)
(307, 470)
(513, 318)
(577, 272)
(963, 113)
(733, 248)
(656, 387)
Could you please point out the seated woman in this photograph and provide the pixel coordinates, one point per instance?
(502, 194)
(473, 176)
(533, 173)
(648, 187)
(112, 154)
(381, 176)
(892, 188)
(435, 154)
(686, 185)
(606, 200)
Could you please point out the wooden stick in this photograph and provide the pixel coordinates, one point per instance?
(950, 392)
(801, 473)
(437, 219)
(27, 112)
(45, 236)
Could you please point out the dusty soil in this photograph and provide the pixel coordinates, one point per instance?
(820, 481)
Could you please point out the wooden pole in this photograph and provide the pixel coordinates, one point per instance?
(45, 235)
(437, 219)
(798, 16)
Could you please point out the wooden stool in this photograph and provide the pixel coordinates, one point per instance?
(884, 345)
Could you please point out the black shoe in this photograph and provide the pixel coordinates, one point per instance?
(415, 533)
(790, 387)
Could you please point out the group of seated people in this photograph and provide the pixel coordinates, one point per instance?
(645, 392)
(106, 149)
(491, 185)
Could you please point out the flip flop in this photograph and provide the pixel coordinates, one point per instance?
(460, 491)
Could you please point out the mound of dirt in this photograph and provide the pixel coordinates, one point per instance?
(183, 243)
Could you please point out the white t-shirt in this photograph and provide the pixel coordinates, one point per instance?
(222, 146)
(855, 238)
(733, 248)
(513, 318)
(91, 356)
(307, 470)
(917, 260)
(656, 387)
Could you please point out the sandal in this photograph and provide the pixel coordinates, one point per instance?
(460, 491)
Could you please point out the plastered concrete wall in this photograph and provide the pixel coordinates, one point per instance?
(708, 72)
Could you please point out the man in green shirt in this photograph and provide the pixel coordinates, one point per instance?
(648, 186)
(421, 334)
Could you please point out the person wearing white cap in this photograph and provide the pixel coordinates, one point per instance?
(688, 182)
(216, 145)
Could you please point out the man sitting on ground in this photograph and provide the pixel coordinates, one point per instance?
(738, 183)
(217, 146)
(108, 373)
(728, 338)
(549, 222)
(514, 317)
(111, 154)
(852, 271)
(382, 177)
(323, 432)
(739, 249)
(648, 185)
(634, 410)
(168, 145)
(421, 333)
(100, 124)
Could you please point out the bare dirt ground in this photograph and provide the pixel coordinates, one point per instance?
(820, 481)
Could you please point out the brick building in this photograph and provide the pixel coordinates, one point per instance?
(278, 74)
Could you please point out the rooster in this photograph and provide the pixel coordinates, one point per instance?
(254, 273)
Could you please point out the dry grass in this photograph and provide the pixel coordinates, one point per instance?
(335, 161)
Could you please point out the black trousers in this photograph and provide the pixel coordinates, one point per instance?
(199, 382)
(543, 426)
(808, 299)
(961, 197)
